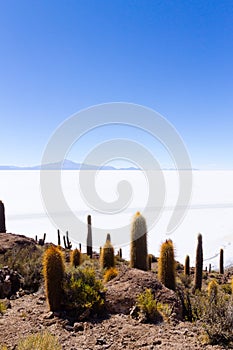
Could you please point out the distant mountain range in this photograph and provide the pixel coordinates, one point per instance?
(66, 165)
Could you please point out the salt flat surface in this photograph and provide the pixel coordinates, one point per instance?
(210, 211)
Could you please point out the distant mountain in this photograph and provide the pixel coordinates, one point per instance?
(66, 165)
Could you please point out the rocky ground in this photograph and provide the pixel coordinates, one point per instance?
(29, 314)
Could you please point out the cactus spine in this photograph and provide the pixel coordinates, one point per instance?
(213, 291)
(2, 218)
(187, 266)
(89, 236)
(166, 265)
(138, 245)
(221, 264)
(75, 257)
(199, 264)
(107, 259)
(53, 270)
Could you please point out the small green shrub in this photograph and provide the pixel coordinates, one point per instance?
(147, 305)
(83, 290)
(216, 318)
(27, 261)
(226, 288)
(39, 341)
(110, 274)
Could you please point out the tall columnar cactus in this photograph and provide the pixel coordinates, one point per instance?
(108, 238)
(89, 236)
(2, 218)
(75, 257)
(221, 263)
(53, 270)
(107, 259)
(138, 244)
(209, 268)
(199, 264)
(167, 265)
(187, 266)
(58, 237)
(213, 291)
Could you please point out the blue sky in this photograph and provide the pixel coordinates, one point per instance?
(58, 57)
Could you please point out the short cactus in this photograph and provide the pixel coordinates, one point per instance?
(213, 291)
(167, 264)
(149, 261)
(187, 266)
(53, 270)
(221, 263)
(75, 257)
(138, 245)
(2, 218)
(199, 265)
(107, 259)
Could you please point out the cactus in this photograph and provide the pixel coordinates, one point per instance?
(108, 238)
(89, 236)
(80, 247)
(199, 265)
(187, 266)
(221, 264)
(166, 265)
(58, 237)
(2, 218)
(42, 240)
(209, 268)
(120, 253)
(138, 245)
(149, 261)
(68, 243)
(75, 257)
(213, 291)
(53, 270)
(107, 259)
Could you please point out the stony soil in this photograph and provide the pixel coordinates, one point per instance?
(29, 314)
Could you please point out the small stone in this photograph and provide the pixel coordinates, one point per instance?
(69, 328)
(78, 327)
(157, 342)
(49, 315)
(100, 341)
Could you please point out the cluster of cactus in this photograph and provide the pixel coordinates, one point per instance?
(53, 271)
(75, 257)
(2, 218)
(89, 236)
(199, 264)
(41, 241)
(138, 243)
(107, 258)
(66, 240)
(167, 265)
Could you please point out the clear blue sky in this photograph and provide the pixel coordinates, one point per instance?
(58, 57)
